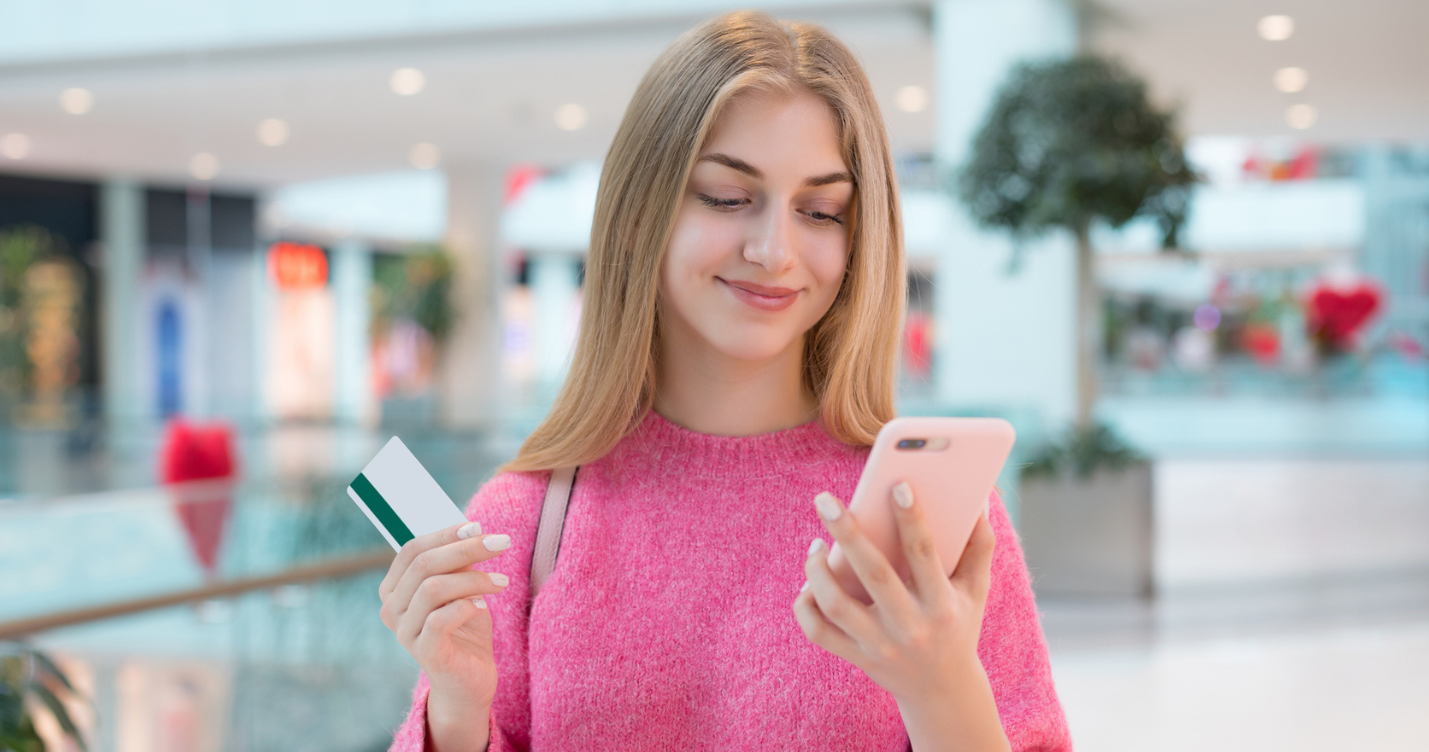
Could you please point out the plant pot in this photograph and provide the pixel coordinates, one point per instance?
(1090, 536)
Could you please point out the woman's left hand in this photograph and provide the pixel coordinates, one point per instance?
(919, 639)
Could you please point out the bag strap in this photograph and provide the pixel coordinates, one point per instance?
(553, 522)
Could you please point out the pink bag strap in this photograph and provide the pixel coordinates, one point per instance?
(548, 530)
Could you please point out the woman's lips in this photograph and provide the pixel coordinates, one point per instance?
(761, 297)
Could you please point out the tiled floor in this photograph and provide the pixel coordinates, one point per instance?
(1325, 674)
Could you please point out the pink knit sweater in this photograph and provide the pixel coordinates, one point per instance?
(667, 623)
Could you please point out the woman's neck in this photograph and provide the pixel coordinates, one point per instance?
(707, 391)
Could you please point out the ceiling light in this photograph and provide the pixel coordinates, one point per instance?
(1291, 80)
(911, 99)
(272, 132)
(570, 117)
(425, 156)
(407, 81)
(1276, 28)
(203, 166)
(1300, 116)
(76, 101)
(15, 145)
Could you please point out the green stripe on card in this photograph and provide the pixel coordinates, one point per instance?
(379, 509)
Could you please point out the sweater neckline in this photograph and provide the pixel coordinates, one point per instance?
(663, 441)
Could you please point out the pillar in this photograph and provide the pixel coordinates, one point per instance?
(470, 366)
(1005, 338)
(122, 234)
(352, 382)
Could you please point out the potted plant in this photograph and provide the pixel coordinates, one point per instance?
(28, 678)
(1070, 143)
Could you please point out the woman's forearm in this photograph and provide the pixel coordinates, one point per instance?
(455, 725)
(963, 716)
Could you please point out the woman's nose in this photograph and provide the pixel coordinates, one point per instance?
(772, 243)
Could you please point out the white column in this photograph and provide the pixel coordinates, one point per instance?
(1005, 341)
(470, 365)
(122, 233)
(555, 282)
(351, 280)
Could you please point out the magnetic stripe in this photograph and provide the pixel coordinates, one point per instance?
(378, 506)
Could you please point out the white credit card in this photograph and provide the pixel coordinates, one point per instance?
(401, 497)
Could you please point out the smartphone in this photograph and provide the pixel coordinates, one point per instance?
(951, 464)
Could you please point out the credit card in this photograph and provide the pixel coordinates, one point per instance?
(400, 497)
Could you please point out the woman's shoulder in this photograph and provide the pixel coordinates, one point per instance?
(508, 500)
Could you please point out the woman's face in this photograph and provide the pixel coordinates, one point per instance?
(760, 242)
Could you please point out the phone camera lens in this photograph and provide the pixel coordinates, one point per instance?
(912, 443)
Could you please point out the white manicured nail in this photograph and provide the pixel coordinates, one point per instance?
(828, 506)
(903, 494)
(479, 602)
(469, 530)
(498, 579)
(496, 542)
(804, 586)
(817, 546)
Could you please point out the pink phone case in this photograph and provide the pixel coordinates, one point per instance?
(952, 475)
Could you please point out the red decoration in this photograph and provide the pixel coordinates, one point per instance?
(294, 266)
(193, 452)
(1335, 315)
(918, 343)
(1262, 341)
(518, 179)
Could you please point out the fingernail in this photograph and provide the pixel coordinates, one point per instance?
(479, 602)
(804, 586)
(903, 494)
(469, 530)
(496, 542)
(828, 506)
(498, 579)
(817, 546)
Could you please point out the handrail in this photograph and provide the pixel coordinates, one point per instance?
(329, 569)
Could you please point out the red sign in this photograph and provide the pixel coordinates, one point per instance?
(294, 266)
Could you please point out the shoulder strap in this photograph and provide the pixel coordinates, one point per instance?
(548, 530)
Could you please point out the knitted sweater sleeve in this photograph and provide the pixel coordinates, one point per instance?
(1014, 652)
(510, 503)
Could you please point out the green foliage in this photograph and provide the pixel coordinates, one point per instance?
(415, 286)
(1071, 141)
(20, 248)
(1082, 451)
(26, 673)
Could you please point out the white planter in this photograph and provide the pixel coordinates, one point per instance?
(1092, 536)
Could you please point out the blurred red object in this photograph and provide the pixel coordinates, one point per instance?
(918, 343)
(518, 179)
(197, 452)
(1336, 314)
(295, 266)
(1262, 341)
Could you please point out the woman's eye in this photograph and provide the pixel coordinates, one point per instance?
(824, 219)
(724, 204)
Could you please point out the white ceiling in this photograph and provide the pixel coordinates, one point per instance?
(491, 94)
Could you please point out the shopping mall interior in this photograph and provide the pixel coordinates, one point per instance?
(271, 236)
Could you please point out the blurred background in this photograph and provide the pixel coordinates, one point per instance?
(242, 244)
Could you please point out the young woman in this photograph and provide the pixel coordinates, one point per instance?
(744, 294)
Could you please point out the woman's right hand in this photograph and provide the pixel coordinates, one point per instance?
(432, 600)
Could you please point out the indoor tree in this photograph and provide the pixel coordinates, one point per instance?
(1068, 143)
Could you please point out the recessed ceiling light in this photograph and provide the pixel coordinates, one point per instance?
(1291, 80)
(203, 166)
(911, 99)
(15, 145)
(571, 117)
(424, 156)
(272, 132)
(407, 81)
(76, 101)
(1300, 116)
(1276, 28)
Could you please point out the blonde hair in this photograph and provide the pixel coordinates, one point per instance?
(850, 355)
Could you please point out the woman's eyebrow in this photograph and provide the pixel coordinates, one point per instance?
(735, 163)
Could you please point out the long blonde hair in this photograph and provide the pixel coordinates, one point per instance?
(850, 355)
